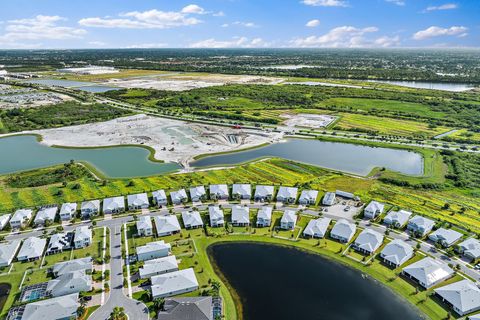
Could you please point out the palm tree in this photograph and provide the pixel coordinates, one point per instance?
(159, 303)
(118, 313)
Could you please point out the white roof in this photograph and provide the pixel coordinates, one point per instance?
(263, 190)
(178, 195)
(72, 265)
(265, 213)
(92, 205)
(64, 307)
(420, 221)
(82, 232)
(165, 224)
(8, 250)
(309, 195)
(429, 271)
(220, 189)
(4, 219)
(289, 216)
(375, 206)
(159, 195)
(287, 192)
(47, 213)
(240, 214)
(22, 214)
(138, 199)
(329, 198)
(474, 317)
(192, 218)
(197, 192)
(173, 281)
(344, 229)
(158, 265)
(144, 222)
(114, 203)
(215, 212)
(397, 251)
(448, 235)
(76, 279)
(317, 226)
(68, 207)
(463, 295)
(153, 247)
(58, 240)
(369, 240)
(242, 189)
(32, 247)
(400, 217)
(471, 246)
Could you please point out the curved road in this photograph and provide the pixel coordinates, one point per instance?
(133, 308)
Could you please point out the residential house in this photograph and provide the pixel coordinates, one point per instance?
(396, 253)
(174, 283)
(187, 308)
(114, 205)
(159, 198)
(373, 210)
(158, 266)
(60, 308)
(64, 267)
(8, 250)
(83, 237)
(138, 201)
(68, 210)
(308, 197)
(470, 248)
(288, 220)
(428, 272)
(90, 208)
(167, 225)
(219, 192)
(242, 191)
(45, 215)
(264, 217)
(32, 249)
(263, 193)
(287, 194)
(179, 197)
(343, 231)
(21, 218)
(144, 226)
(446, 237)
(153, 250)
(192, 219)
(240, 215)
(368, 241)
(198, 194)
(462, 296)
(317, 228)
(4, 220)
(216, 216)
(397, 219)
(68, 283)
(60, 242)
(329, 199)
(420, 226)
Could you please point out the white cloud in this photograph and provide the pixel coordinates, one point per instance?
(435, 31)
(386, 42)
(446, 6)
(194, 9)
(150, 19)
(340, 37)
(219, 14)
(313, 23)
(245, 24)
(147, 45)
(397, 2)
(97, 43)
(325, 3)
(237, 42)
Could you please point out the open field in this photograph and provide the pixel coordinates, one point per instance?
(123, 73)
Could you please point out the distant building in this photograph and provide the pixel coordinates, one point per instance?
(396, 253)
(428, 272)
(64, 267)
(153, 250)
(8, 250)
(60, 242)
(45, 215)
(216, 216)
(373, 210)
(158, 266)
(68, 283)
(166, 225)
(317, 228)
(138, 201)
(242, 191)
(264, 217)
(187, 308)
(397, 219)
(32, 249)
(288, 220)
(470, 248)
(328, 199)
(114, 205)
(264, 193)
(308, 197)
(446, 237)
(240, 216)
(21, 218)
(179, 197)
(67, 211)
(90, 208)
(198, 193)
(159, 198)
(287, 194)
(89, 70)
(144, 226)
(174, 283)
(83, 237)
(192, 219)
(420, 225)
(343, 231)
(219, 192)
(368, 241)
(462, 296)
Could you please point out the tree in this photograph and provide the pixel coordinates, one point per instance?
(159, 303)
(118, 313)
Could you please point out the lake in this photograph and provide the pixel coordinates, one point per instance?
(24, 152)
(281, 283)
(4, 291)
(454, 87)
(346, 157)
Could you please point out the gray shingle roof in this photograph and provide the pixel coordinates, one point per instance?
(463, 295)
(471, 247)
(153, 247)
(399, 217)
(32, 248)
(429, 271)
(63, 307)
(159, 265)
(72, 265)
(166, 224)
(264, 191)
(8, 251)
(144, 222)
(240, 214)
(173, 282)
(343, 229)
(397, 252)
(189, 308)
(192, 219)
(447, 236)
(242, 189)
(137, 200)
(369, 240)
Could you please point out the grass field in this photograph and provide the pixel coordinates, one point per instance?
(464, 134)
(124, 73)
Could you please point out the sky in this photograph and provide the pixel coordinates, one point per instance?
(67, 24)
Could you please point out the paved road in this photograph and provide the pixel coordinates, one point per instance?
(134, 309)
